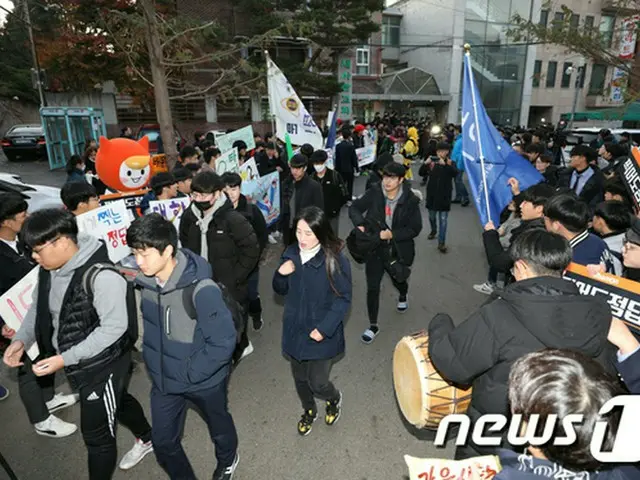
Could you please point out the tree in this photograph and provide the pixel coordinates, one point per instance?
(588, 42)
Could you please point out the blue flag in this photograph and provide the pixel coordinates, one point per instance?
(480, 139)
(331, 137)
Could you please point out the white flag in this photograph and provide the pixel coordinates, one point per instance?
(290, 115)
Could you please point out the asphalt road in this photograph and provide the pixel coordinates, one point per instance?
(369, 441)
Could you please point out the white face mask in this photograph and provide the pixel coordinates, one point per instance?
(319, 167)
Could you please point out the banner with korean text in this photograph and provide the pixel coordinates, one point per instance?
(366, 155)
(109, 223)
(15, 304)
(227, 162)
(631, 175)
(171, 209)
(265, 193)
(225, 142)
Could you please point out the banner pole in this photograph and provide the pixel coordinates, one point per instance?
(467, 54)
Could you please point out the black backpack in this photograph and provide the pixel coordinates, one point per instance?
(88, 279)
(237, 312)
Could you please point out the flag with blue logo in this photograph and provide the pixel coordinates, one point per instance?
(331, 137)
(489, 160)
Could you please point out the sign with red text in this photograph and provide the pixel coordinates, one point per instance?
(108, 223)
(15, 304)
(477, 468)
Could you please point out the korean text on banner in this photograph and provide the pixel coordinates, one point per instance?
(171, 209)
(631, 175)
(109, 223)
(265, 193)
(628, 38)
(15, 304)
(623, 295)
(225, 142)
(249, 170)
(477, 468)
(618, 82)
(290, 114)
(227, 162)
(345, 77)
(366, 155)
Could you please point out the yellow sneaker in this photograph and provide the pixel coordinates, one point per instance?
(306, 422)
(334, 408)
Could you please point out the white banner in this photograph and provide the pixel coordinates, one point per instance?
(628, 38)
(249, 170)
(265, 193)
(366, 155)
(227, 162)
(108, 223)
(225, 142)
(15, 304)
(291, 115)
(618, 82)
(171, 209)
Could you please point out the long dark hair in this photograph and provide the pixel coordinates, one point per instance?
(329, 242)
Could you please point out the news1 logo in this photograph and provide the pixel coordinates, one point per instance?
(625, 447)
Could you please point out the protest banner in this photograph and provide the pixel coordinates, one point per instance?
(366, 155)
(476, 468)
(249, 170)
(631, 175)
(15, 304)
(225, 142)
(171, 209)
(159, 164)
(132, 200)
(227, 162)
(623, 295)
(330, 158)
(109, 223)
(265, 193)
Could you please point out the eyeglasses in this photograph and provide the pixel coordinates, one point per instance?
(39, 249)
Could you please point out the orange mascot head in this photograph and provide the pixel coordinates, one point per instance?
(123, 165)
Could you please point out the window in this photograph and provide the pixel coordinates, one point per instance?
(544, 17)
(551, 74)
(574, 23)
(598, 75)
(391, 31)
(558, 20)
(583, 74)
(566, 76)
(606, 30)
(537, 69)
(362, 60)
(588, 23)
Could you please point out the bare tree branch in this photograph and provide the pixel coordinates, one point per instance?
(204, 26)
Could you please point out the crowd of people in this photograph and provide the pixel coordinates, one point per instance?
(534, 346)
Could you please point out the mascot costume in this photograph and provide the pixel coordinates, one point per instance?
(124, 165)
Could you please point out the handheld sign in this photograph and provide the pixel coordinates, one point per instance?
(108, 223)
(631, 175)
(366, 155)
(249, 170)
(15, 304)
(171, 209)
(623, 295)
(477, 468)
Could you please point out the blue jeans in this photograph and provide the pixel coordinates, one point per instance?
(255, 305)
(461, 189)
(441, 229)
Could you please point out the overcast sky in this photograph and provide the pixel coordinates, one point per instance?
(6, 4)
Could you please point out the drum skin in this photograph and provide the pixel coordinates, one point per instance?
(424, 397)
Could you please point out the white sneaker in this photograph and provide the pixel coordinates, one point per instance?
(55, 428)
(247, 351)
(272, 239)
(487, 288)
(136, 454)
(60, 401)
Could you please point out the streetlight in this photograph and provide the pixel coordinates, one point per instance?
(570, 69)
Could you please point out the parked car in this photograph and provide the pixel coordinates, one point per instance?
(152, 130)
(24, 142)
(37, 196)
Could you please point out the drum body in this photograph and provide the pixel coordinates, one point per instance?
(424, 397)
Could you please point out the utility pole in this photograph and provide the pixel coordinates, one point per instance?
(575, 94)
(34, 53)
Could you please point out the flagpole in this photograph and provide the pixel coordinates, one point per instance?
(467, 49)
(271, 109)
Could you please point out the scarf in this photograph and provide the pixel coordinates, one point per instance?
(205, 221)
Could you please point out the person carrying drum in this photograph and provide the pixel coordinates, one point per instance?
(314, 276)
(539, 310)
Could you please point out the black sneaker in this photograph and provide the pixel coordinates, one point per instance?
(258, 322)
(443, 248)
(432, 235)
(226, 472)
(305, 424)
(334, 408)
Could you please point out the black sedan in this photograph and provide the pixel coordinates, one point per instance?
(24, 142)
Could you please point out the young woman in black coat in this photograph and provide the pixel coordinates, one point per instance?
(314, 276)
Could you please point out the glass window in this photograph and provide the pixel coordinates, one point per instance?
(537, 70)
(544, 17)
(574, 23)
(598, 75)
(558, 20)
(552, 70)
(391, 31)
(606, 30)
(566, 75)
(362, 60)
(588, 22)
